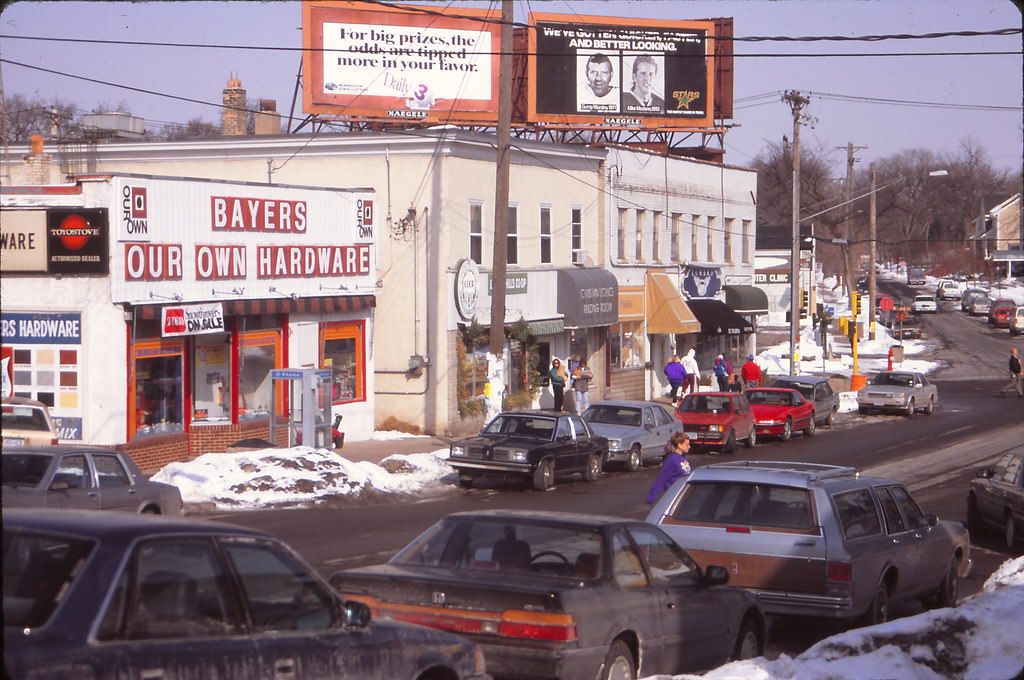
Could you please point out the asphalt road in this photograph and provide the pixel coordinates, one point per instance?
(934, 455)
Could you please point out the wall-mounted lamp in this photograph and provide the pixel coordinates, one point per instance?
(293, 296)
(341, 287)
(176, 297)
(233, 291)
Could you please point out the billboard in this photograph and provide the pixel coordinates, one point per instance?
(431, 64)
(613, 72)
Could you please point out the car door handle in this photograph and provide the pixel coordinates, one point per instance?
(284, 669)
(806, 541)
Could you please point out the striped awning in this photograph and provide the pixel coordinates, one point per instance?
(302, 305)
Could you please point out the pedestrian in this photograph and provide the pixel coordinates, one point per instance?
(723, 369)
(751, 373)
(557, 375)
(675, 372)
(581, 378)
(734, 383)
(675, 466)
(1015, 377)
(692, 371)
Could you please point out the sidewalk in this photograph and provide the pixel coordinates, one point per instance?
(374, 450)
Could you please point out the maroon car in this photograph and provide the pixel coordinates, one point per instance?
(778, 412)
(717, 419)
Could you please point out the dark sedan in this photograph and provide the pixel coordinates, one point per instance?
(531, 445)
(561, 595)
(996, 498)
(109, 596)
(82, 478)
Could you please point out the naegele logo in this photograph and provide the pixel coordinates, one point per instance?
(76, 241)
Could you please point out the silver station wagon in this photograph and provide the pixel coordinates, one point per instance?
(816, 540)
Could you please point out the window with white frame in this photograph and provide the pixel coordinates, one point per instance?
(476, 232)
(656, 236)
(577, 228)
(712, 224)
(746, 241)
(620, 235)
(676, 221)
(730, 224)
(641, 225)
(695, 223)
(512, 257)
(545, 235)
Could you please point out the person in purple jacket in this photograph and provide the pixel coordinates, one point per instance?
(674, 466)
(676, 375)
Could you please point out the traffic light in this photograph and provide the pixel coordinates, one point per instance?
(803, 302)
(856, 304)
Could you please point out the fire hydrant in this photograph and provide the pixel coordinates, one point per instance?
(889, 368)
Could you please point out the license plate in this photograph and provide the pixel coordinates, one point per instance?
(14, 441)
(692, 435)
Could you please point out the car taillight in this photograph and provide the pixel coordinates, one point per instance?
(54, 441)
(840, 571)
(514, 623)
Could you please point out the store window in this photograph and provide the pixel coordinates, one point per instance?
(158, 388)
(342, 351)
(211, 378)
(627, 345)
(259, 352)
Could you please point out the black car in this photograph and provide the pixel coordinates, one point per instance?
(532, 445)
(909, 328)
(563, 595)
(109, 596)
(816, 389)
(996, 498)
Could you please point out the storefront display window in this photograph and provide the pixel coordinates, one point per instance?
(158, 387)
(259, 353)
(627, 345)
(342, 352)
(211, 378)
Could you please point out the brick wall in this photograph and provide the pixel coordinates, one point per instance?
(153, 453)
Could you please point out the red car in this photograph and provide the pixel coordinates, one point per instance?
(778, 412)
(1001, 313)
(717, 419)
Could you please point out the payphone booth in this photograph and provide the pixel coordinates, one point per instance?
(308, 417)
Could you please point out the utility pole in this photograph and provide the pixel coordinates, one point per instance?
(851, 158)
(873, 226)
(796, 104)
(495, 390)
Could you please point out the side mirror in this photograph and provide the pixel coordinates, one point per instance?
(933, 520)
(715, 575)
(985, 473)
(356, 614)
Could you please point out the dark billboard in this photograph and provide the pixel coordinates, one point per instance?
(621, 73)
(76, 241)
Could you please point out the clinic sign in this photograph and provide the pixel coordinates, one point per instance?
(192, 320)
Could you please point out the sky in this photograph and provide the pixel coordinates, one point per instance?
(943, 100)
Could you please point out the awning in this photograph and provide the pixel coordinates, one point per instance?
(587, 297)
(545, 327)
(302, 305)
(667, 312)
(717, 318)
(746, 299)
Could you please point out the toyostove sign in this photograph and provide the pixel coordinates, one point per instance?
(76, 241)
(192, 319)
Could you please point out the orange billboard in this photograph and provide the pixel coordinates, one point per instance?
(617, 72)
(434, 64)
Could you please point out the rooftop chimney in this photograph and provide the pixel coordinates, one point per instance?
(234, 115)
(268, 120)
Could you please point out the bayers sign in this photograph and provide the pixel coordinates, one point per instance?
(192, 319)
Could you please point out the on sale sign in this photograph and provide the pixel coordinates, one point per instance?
(192, 319)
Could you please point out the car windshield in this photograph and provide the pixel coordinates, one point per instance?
(507, 546)
(24, 469)
(770, 397)
(613, 415)
(522, 426)
(37, 571)
(895, 379)
(24, 418)
(699, 403)
(802, 388)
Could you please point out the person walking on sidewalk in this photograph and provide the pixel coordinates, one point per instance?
(723, 369)
(557, 375)
(751, 373)
(692, 372)
(1015, 377)
(581, 378)
(675, 372)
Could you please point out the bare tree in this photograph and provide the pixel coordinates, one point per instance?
(26, 117)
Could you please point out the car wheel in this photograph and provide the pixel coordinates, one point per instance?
(930, 408)
(618, 663)
(751, 441)
(911, 408)
(975, 525)
(730, 443)
(633, 462)
(787, 430)
(749, 642)
(948, 591)
(1009, 531)
(878, 612)
(862, 410)
(465, 481)
(593, 469)
(544, 475)
(151, 510)
(809, 430)
(831, 420)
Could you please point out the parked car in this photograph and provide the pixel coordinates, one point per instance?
(106, 595)
(816, 540)
(925, 304)
(82, 478)
(905, 392)
(779, 412)
(949, 290)
(562, 595)
(636, 430)
(1000, 311)
(910, 328)
(26, 422)
(996, 498)
(1017, 320)
(531, 445)
(816, 389)
(968, 296)
(979, 305)
(717, 419)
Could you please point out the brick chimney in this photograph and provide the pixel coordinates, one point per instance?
(39, 169)
(234, 114)
(268, 120)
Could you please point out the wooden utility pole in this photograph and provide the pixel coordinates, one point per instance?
(494, 394)
(796, 104)
(873, 226)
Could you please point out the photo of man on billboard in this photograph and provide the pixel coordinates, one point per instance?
(642, 97)
(598, 89)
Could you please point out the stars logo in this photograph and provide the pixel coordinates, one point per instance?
(684, 97)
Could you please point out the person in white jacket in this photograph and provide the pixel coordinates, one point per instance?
(692, 372)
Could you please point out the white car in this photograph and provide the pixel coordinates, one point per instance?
(925, 303)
